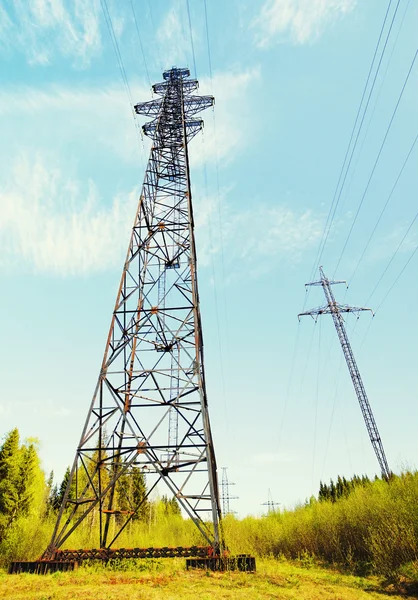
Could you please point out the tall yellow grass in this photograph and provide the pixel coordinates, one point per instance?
(374, 529)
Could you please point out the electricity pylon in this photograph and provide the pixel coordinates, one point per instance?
(271, 505)
(225, 495)
(149, 409)
(332, 307)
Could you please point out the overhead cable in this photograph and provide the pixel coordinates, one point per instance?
(384, 207)
(349, 156)
(207, 41)
(140, 44)
(191, 39)
(391, 260)
(377, 159)
(113, 37)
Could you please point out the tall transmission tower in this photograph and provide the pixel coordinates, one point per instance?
(225, 495)
(332, 307)
(271, 505)
(149, 410)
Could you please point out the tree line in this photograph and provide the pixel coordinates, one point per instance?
(24, 489)
(342, 487)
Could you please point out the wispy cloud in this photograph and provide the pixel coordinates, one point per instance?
(57, 225)
(253, 241)
(173, 41)
(300, 21)
(60, 225)
(85, 117)
(52, 215)
(43, 30)
(225, 135)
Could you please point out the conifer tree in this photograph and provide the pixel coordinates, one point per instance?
(9, 478)
(22, 482)
(132, 490)
(58, 493)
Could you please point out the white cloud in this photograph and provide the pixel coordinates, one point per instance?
(173, 42)
(45, 29)
(301, 21)
(58, 225)
(99, 119)
(229, 132)
(50, 210)
(252, 240)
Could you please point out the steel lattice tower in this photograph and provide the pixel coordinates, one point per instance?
(271, 505)
(225, 495)
(149, 410)
(332, 307)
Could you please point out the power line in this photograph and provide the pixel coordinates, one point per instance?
(346, 166)
(385, 206)
(155, 36)
(215, 293)
(376, 102)
(289, 384)
(218, 192)
(109, 23)
(334, 403)
(118, 54)
(390, 262)
(191, 38)
(377, 159)
(398, 277)
(140, 43)
(207, 40)
(316, 403)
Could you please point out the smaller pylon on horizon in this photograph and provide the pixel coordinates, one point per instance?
(335, 309)
(225, 495)
(271, 505)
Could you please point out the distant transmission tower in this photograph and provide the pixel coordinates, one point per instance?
(335, 309)
(149, 410)
(225, 495)
(271, 505)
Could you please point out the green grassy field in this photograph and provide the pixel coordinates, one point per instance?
(169, 580)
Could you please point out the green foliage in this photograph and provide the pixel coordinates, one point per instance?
(131, 492)
(22, 482)
(342, 488)
(10, 469)
(362, 525)
(171, 506)
(56, 494)
(373, 528)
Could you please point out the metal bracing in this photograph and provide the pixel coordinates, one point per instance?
(332, 307)
(225, 495)
(271, 505)
(149, 410)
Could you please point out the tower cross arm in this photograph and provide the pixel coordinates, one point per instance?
(323, 281)
(194, 104)
(151, 108)
(334, 307)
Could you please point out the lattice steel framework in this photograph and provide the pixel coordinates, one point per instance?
(149, 410)
(271, 505)
(332, 307)
(225, 495)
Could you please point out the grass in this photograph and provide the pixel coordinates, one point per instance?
(168, 579)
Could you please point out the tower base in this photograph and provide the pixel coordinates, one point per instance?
(199, 559)
(241, 562)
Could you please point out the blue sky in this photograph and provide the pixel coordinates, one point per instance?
(287, 76)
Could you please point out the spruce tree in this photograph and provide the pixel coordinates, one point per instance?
(22, 482)
(9, 478)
